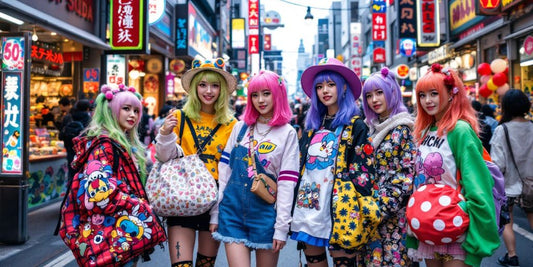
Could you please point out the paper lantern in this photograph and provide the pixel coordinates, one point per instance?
(484, 79)
(484, 91)
(499, 79)
(502, 89)
(498, 65)
(484, 69)
(490, 84)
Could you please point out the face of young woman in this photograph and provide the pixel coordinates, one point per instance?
(128, 117)
(208, 93)
(262, 101)
(377, 102)
(327, 94)
(430, 102)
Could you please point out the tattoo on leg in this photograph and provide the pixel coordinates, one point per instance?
(178, 254)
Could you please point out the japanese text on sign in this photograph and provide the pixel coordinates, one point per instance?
(428, 18)
(127, 24)
(12, 123)
(407, 21)
(379, 27)
(182, 30)
(253, 14)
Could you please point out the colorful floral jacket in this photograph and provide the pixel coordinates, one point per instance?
(355, 210)
(106, 218)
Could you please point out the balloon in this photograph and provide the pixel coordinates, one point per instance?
(484, 69)
(484, 91)
(499, 79)
(502, 89)
(498, 65)
(484, 79)
(490, 84)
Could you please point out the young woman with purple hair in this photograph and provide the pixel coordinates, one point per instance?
(337, 168)
(390, 130)
(242, 220)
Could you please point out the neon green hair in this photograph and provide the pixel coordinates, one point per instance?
(223, 113)
(105, 122)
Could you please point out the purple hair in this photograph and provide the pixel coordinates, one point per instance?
(125, 97)
(282, 113)
(386, 81)
(345, 101)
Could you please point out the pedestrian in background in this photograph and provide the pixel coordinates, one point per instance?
(391, 133)
(245, 221)
(446, 116)
(106, 218)
(209, 87)
(337, 168)
(515, 106)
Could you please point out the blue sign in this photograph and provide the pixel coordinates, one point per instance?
(407, 47)
(12, 134)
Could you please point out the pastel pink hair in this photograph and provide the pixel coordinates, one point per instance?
(282, 113)
(459, 108)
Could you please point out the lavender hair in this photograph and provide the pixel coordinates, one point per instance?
(386, 81)
(282, 113)
(345, 100)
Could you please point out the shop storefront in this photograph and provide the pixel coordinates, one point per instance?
(63, 45)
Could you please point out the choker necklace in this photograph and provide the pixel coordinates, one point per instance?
(327, 117)
(264, 120)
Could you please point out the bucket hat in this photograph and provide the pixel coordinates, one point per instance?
(216, 65)
(330, 64)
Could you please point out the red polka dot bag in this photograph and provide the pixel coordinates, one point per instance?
(436, 214)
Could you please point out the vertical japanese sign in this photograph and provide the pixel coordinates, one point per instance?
(379, 20)
(428, 23)
(253, 27)
(182, 30)
(116, 69)
(238, 34)
(407, 19)
(12, 103)
(268, 42)
(128, 25)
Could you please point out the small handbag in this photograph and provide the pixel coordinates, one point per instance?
(262, 185)
(183, 186)
(526, 196)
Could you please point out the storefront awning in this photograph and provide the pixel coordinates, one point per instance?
(33, 15)
(519, 33)
(491, 27)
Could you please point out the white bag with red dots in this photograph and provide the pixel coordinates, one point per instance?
(436, 214)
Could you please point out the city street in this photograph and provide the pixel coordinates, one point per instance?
(46, 250)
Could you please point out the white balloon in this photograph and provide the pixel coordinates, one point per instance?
(498, 65)
(502, 89)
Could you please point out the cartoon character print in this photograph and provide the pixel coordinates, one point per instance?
(130, 228)
(420, 177)
(96, 187)
(309, 196)
(432, 167)
(322, 151)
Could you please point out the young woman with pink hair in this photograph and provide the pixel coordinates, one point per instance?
(446, 131)
(242, 220)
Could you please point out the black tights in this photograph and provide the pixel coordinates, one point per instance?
(201, 261)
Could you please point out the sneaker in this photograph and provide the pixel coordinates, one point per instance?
(509, 262)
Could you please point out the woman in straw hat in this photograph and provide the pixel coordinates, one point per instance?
(207, 106)
(335, 205)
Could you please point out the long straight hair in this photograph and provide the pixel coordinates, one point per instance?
(345, 101)
(386, 81)
(282, 113)
(459, 108)
(105, 121)
(223, 113)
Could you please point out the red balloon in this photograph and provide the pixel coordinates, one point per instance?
(484, 69)
(499, 79)
(484, 91)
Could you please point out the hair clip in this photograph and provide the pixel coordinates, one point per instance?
(436, 67)
(455, 90)
(111, 92)
(385, 71)
(280, 80)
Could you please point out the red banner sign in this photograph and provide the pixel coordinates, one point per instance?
(253, 44)
(128, 22)
(379, 26)
(267, 46)
(379, 55)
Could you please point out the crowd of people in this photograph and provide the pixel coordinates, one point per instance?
(345, 172)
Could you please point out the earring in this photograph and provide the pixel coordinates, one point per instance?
(450, 99)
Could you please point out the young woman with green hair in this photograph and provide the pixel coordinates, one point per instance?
(106, 218)
(207, 106)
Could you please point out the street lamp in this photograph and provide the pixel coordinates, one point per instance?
(308, 16)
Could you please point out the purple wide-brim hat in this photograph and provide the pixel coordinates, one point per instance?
(330, 64)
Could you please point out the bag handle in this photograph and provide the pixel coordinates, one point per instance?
(511, 149)
(195, 137)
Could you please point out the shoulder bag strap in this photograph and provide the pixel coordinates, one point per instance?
(195, 137)
(241, 133)
(182, 123)
(510, 149)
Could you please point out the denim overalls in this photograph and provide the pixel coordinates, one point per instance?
(243, 216)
